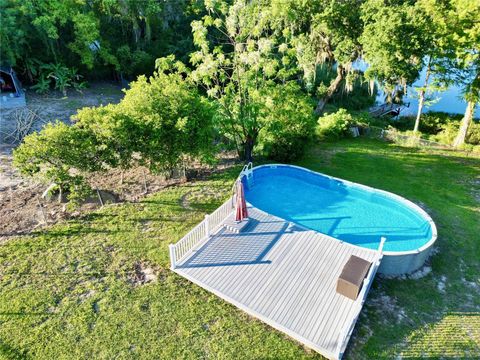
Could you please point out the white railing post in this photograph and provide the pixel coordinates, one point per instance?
(341, 340)
(199, 233)
(382, 243)
(171, 247)
(207, 226)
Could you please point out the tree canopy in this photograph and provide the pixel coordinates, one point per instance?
(250, 74)
(98, 36)
(238, 61)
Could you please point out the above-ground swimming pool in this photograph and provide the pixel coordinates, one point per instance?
(349, 212)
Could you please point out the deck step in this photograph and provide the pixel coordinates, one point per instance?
(235, 227)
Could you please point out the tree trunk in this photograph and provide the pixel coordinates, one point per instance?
(148, 31)
(248, 148)
(334, 85)
(421, 100)
(467, 119)
(135, 31)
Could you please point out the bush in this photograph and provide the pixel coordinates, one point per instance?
(59, 154)
(430, 123)
(161, 121)
(440, 127)
(447, 133)
(287, 149)
(335, 125)
(58, 76)
(288, 122)
(409, 138)
(434, 122)
(170, 119)
(473, 136)
(134, 62)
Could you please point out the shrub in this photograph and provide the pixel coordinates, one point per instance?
(60, 77)
(430, 123)
(43, 85)
(288, 122)
(335, 125)
(161, 121)
(59, 154)
(409, 138)
(473, 136)
(440, 127)
(364, 118)
(134, 62)
(433, 122)
(449, 130)
(447, 134)
(170, 119)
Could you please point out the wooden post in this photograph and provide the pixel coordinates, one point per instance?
(171, 247)
(43, 212)
(60, 193)
(99, 197)
(144, 181)
(207, 231)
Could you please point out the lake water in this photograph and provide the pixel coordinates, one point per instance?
(449, 101)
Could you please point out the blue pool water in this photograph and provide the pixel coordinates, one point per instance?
(344, 211)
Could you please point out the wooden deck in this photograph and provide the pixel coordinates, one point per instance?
(283, 275)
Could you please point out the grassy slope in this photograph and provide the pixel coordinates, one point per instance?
(65, 292)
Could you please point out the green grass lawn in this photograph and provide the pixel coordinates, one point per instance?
(71, 291)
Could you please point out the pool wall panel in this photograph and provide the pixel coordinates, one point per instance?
(394, 265)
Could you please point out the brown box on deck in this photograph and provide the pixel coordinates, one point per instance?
(350, 280)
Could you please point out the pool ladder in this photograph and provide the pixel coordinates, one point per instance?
(247, 171)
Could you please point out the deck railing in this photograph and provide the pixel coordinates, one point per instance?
(199, 233)
(346, 332)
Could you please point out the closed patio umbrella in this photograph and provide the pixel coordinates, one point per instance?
(241, 205)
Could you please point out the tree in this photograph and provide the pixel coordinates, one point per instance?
(13, 38)
(237, 59)
(321, 32)
(60, 154)
(456, 24)
(169, 119)
(422, 93)
(94, 36)
(162, 121)
(394, 43)
(288, 122)
(465, 38)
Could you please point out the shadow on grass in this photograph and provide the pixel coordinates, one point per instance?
(9, 352)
